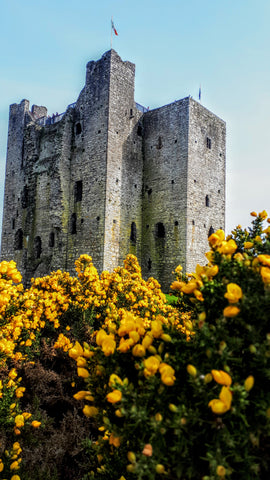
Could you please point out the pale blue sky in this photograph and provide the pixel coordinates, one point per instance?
(224, 45)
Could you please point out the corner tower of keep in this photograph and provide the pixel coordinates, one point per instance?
(109, 177)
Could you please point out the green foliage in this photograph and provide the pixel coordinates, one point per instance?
(173, 387)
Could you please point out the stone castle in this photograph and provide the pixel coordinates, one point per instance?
(109, 177)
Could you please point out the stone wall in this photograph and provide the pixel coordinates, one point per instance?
(205, 181)
(165, 148)
(106, 179)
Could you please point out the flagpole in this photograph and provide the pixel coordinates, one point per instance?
(111, 30)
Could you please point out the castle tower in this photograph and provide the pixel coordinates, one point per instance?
(107, 177)
(184, 186)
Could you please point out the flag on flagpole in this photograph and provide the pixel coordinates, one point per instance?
(113, 28)
(200, 93)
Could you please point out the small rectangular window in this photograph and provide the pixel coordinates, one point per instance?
(78, 191)
(208, 143)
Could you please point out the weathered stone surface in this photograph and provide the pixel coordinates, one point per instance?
(107, 178)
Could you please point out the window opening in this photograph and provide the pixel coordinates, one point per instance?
(51, 240)
(18, 243)
(13, 223)
(208, 143)
(160, 230)
(73, 227)
(207, 201)
(78, 128)
(131, 113)
(176, 223)
(149, 191)
(78, 191)
(149, 265)
(193, 222)
(37, 247)
(24, 197)
(139, 131)
(159, 145)
(211, 230)
(133, 233)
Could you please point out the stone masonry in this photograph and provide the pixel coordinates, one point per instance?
(109, 177)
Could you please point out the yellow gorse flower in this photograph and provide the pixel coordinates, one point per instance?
(231, 311)
(216, 238)
(265, 274)
(192, 371)
(114, 396)
(221, 471)
(151, 365)
(223, 403)
(249, 382)
(221, 377)
(263, 214)
(36, 424)
(90, 411)
(83, 395)
(19, 421)
(248, 245)
(114, 440)
(234, 293)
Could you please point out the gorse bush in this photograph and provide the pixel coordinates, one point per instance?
(103, 378)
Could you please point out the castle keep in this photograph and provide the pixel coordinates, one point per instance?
(109, 177)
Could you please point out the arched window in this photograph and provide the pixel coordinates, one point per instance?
(18, 242)
(51, 240)
(160, 230)
(73, 224)
(37, 247)
(133, 233)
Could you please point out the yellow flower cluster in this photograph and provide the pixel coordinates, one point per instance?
(122, 288)
(234, 294)
(132, 335)
(198, 278)
(223, 403)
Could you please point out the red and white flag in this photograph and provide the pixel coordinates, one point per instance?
(113, 28)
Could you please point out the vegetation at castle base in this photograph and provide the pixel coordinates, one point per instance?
(39, 416)
(103, 378)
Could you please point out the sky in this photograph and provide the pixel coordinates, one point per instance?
(176, 45)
